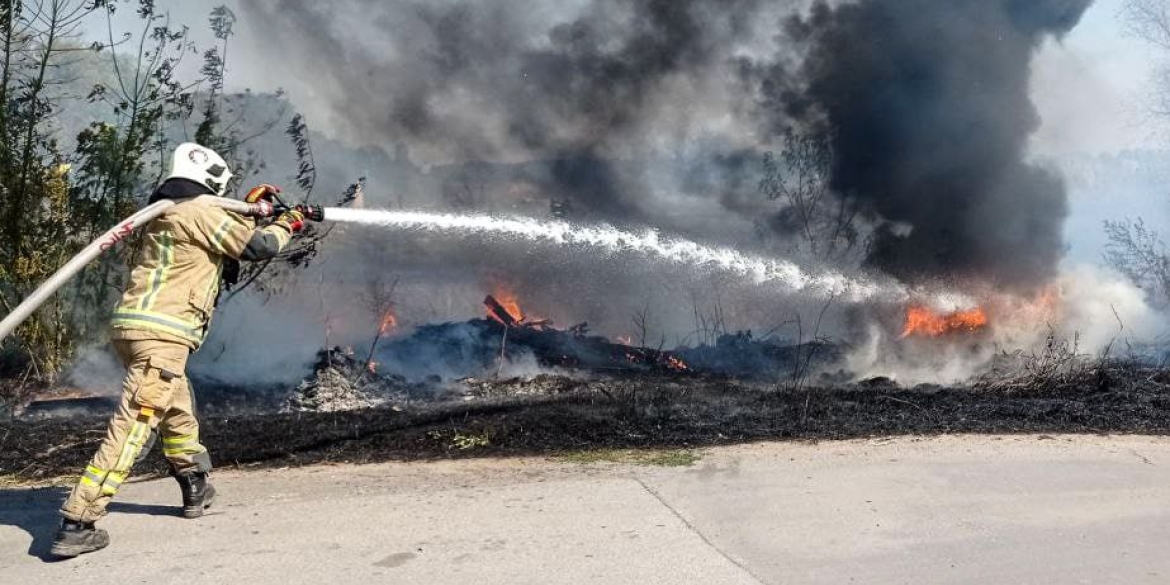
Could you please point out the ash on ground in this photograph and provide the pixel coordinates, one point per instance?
(341, 382)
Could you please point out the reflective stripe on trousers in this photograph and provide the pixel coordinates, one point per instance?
(109, 480)
(182, 445)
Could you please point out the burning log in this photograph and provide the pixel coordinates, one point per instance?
(499, 313)
(510, 315)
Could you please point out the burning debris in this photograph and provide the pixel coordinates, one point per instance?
(477, 346)
(509, 343)
(508, 311)
(740, 355)
(936, 176)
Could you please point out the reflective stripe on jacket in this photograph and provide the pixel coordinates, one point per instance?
(175, 281)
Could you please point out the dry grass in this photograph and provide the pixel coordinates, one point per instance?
(649, 457)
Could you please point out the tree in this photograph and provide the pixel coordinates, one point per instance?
(225, 123)
(113, 161)
(1138, 252)
(1149, 21)
(820, 221)
(34, 219)
(223, 22)
(270, 276)
(1134, 249)
(54, 201)
(127, 117)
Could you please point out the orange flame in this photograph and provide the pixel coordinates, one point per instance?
(510, 302)
(625, 339)
(676, 364)
(921, 320)
(389, 322)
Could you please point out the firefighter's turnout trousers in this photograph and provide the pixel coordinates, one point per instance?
(155, 394)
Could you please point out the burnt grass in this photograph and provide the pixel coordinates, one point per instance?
(550, 415)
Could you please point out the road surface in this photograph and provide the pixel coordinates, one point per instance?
(1029, 509)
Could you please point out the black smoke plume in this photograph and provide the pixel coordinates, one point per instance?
(574, 83)
(925, 102)
(927, 106)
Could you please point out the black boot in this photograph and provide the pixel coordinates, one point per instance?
(76, 538)
(198, 493)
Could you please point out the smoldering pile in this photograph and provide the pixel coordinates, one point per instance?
(342, 382)
(508, 355)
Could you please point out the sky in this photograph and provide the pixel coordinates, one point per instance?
(1091, 88)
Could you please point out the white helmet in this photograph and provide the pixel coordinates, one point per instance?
(202, 165)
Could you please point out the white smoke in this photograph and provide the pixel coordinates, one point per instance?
(1106, 310)
(95, 370)
(1092, 310)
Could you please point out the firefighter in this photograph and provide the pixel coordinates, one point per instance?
(162, 318)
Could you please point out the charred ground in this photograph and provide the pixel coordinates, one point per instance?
(549, 415)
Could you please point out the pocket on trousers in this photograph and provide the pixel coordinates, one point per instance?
(157, 386)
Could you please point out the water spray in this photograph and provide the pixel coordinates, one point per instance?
(608, 239)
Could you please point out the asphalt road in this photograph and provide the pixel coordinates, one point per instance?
(1082, 509)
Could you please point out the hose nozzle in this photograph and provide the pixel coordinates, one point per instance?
(314, 213)
(311, 212)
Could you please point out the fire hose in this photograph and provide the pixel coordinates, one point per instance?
(118, 233)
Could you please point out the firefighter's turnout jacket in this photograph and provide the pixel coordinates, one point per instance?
(174, 285)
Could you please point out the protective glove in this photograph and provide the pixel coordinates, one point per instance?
(262, 192)
(260, 200)
(293, 220)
